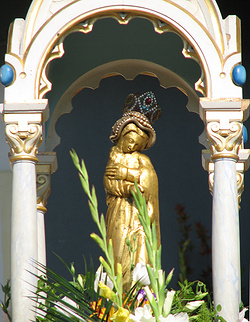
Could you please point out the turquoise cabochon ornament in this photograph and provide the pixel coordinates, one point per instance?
(239, 75)
(245, 134)
(6, 75)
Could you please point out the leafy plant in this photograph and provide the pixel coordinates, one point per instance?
(7, 297)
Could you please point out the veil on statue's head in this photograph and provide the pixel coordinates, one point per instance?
(142, 110)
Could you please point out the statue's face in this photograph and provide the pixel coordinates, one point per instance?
(133, 142)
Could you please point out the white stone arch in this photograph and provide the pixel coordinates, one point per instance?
(206, 40)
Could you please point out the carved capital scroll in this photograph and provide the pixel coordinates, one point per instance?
(24, 135)
(46, 165)
(43, 190)
(225, 143)
(240, 184)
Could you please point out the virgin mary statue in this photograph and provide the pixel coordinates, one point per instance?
(131, 134)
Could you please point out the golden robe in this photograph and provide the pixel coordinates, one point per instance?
(122, 215)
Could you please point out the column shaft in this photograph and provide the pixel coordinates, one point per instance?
(41, 256)
(23, 240)
(225, 239)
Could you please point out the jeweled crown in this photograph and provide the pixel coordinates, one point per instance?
(145, 104)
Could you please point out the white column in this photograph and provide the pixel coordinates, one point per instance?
(23, 240)
(41, 240)
(225, 239)
(41, 243)
(24, 135)
(47, 165)
(226, 164)
(43, 190)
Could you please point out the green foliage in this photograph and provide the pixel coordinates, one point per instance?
(7, 297)
(63, 300)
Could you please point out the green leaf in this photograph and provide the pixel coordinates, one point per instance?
(169, 277)
(94, 214)
(84, 184)
(111, 252)
(94, 199)
(105, 265)
(75, 158)
(152, 302)
(72, 269)
(152, 278)
(158, 258)
(98, 240)
(150, 252)
(137, 203)
(218, 308)
(103, 227)
(154, 237)
(145, 213)
(84, 171)
(119, 278)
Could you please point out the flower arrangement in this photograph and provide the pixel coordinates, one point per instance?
(100, 296)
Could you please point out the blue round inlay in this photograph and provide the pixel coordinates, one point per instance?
(245, 134)
(6, 75)
(239, 75)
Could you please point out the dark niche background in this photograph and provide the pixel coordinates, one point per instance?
(176, 157)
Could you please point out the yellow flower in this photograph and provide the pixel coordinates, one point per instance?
(107, 292)
(121, 315)
(100, 310)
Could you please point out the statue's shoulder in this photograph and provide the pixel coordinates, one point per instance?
(113, 151)
(144, 159)
(115, 155)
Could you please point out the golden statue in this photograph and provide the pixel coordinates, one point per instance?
(131, 134)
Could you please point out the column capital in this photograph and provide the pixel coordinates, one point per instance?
(224, 140)
(223, 119)
(46, 165)
(24, 134)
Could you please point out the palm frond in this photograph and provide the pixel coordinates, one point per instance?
(62, 300)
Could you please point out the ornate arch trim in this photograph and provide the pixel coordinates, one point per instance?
(199, 44)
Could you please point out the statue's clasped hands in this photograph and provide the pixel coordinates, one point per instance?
(119, 172)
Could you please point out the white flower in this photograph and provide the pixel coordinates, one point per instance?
(140, 274)
(242, 315)
(142, 314)
(193, 305)
(101, 276)
(60, 307)
(168, 302)
(180, 317)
